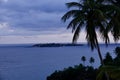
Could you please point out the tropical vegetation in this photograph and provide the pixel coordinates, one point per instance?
(97, 18)
(82, 72)
(112, 66)
(78, 72)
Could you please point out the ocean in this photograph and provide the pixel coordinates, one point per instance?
(23, 62)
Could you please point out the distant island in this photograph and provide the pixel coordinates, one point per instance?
(66, 44)
(56, 45)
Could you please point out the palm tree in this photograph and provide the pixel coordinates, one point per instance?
(85, 15)
(95, 17)
(92, 60)
(92, 16)
(83, 58)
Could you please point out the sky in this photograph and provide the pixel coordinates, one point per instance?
(34, 21)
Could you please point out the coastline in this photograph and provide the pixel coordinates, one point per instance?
(57, 45)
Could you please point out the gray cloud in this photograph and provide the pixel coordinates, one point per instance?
(33, 15)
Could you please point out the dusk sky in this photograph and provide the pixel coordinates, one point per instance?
(34, 21)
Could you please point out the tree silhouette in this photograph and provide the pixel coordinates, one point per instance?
(92, 60)
(108, 59)
(83, 58)
(112, 67)
(79, 72)
(95, 17)
(117, 51)
(117, 58)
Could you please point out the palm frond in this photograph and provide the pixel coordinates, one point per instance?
(80, 25)
(91, 34)
(104, 31)
(116, 27)
(76, 35)
(74, 4)
(78, 21)
(101, 24)
(69, 14)
(98, 15)
(73, 23)
(111, 7)
(105, 37)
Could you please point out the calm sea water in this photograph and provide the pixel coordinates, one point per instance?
(21, 62)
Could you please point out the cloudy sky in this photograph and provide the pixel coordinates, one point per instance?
(34, 21)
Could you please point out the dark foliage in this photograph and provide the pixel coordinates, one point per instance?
(83, 58)
(112, 66)
(78, 72)
(82, 72)
(113, 61)
(108, 59)
(92, 60)
(117, 58)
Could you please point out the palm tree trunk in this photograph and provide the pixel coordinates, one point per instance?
(101, 59)
(99, 53)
